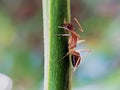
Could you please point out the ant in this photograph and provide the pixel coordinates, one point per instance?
(73, 40)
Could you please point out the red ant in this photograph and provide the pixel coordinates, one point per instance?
(72, 42)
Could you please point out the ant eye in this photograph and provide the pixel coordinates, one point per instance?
(68, 27)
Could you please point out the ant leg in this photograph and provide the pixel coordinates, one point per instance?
(63, 57)
(64, 28)
(76, 64)
(62, 35)
(78, 24)
(80, 41)
(84, 50)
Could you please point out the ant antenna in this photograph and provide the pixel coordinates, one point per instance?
(80, 27)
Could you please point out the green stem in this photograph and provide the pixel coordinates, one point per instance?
(57, 76)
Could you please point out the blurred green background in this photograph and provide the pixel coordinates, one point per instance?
(21, 43)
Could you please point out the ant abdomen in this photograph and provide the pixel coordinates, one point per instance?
(75, 60)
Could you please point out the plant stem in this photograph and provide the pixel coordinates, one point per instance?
(57, 76)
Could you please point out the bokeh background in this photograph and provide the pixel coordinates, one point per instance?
(21, 43)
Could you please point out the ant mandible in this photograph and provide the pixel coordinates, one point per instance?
(73, 40)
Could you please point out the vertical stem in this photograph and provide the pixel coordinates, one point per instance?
(57, 76)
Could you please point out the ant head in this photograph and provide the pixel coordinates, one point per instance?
(69, 26)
